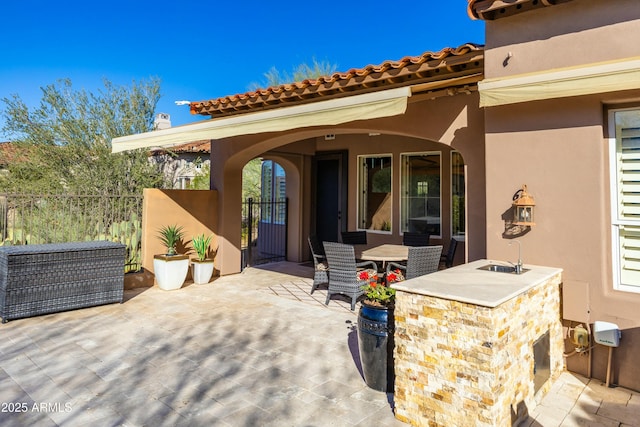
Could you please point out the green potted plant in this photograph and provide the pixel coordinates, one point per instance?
(170, 268)
(202, 265)
(375, 333)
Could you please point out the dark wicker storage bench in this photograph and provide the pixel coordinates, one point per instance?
(41, 279)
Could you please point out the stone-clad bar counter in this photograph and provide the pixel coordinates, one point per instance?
(476, 347)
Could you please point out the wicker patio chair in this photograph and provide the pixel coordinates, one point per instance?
(344, 272)
(316, 246)
(422, 260)
(447, 259)
(415, 239)
(320, 266)
(354, 237)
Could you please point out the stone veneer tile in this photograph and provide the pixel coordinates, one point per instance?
(452, 355)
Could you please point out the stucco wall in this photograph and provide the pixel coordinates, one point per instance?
(394, 145)
(559, 148)
(566, 35)
(194, 210)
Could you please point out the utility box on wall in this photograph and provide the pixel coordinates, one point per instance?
(575, 301)
(606, 333)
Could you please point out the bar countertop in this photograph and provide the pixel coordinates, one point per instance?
(466, 283)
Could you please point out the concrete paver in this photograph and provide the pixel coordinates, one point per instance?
(253, 349)
(577, 401)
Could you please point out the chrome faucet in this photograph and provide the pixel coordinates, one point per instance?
(517, 266)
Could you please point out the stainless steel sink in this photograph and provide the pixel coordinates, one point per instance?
(501, 268)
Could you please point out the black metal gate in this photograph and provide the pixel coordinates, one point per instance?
(264, 231)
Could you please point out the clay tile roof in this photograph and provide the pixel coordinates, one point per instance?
(495, 9)
(201, 147)
(449, 63)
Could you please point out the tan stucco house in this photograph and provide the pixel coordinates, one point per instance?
(442, 141)
(182, 163)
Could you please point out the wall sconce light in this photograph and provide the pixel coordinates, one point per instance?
(523, 205)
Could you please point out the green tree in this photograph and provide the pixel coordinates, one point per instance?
(65, 143)
(202, 179)
(275, 77)
(251, 175)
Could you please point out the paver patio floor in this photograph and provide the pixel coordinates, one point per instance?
(253, 349)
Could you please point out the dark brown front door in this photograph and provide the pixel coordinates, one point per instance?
(330, 195)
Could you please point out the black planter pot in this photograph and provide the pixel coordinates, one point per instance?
(375, 344)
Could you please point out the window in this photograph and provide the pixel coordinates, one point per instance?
(625, 174)
(420, 193)
(374, 190)
(273, 193)
(458, 224)
(184, 182)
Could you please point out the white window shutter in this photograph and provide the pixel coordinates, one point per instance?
(629, 173)
(628, 188)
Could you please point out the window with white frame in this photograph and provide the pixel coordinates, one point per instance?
(458, 220)
(374, 192)
(420, 192)
(625, 213)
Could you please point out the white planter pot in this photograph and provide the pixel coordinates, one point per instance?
(202, 271)
(170, 270)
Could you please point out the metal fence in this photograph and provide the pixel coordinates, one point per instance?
(27, 219)
(264, 231)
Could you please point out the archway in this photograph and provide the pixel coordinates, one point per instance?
(264, 223)
(440, 126)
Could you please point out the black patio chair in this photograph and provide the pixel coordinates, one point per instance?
(320, 266)
(422, 260)
(344, 272)
(354, 237)
(447, 259)
(415, 239)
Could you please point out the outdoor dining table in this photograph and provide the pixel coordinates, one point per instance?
(383, 253)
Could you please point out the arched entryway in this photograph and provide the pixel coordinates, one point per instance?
(265, 213)
(427, 131)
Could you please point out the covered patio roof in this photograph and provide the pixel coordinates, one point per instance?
(359, 94)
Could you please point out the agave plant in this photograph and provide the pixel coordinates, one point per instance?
(201, 246)
(170, 235)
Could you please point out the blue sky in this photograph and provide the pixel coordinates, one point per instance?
(207, 49)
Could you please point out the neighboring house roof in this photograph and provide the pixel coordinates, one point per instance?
(201, 147)
(8, 153)
(451, 66)
(494, 9)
